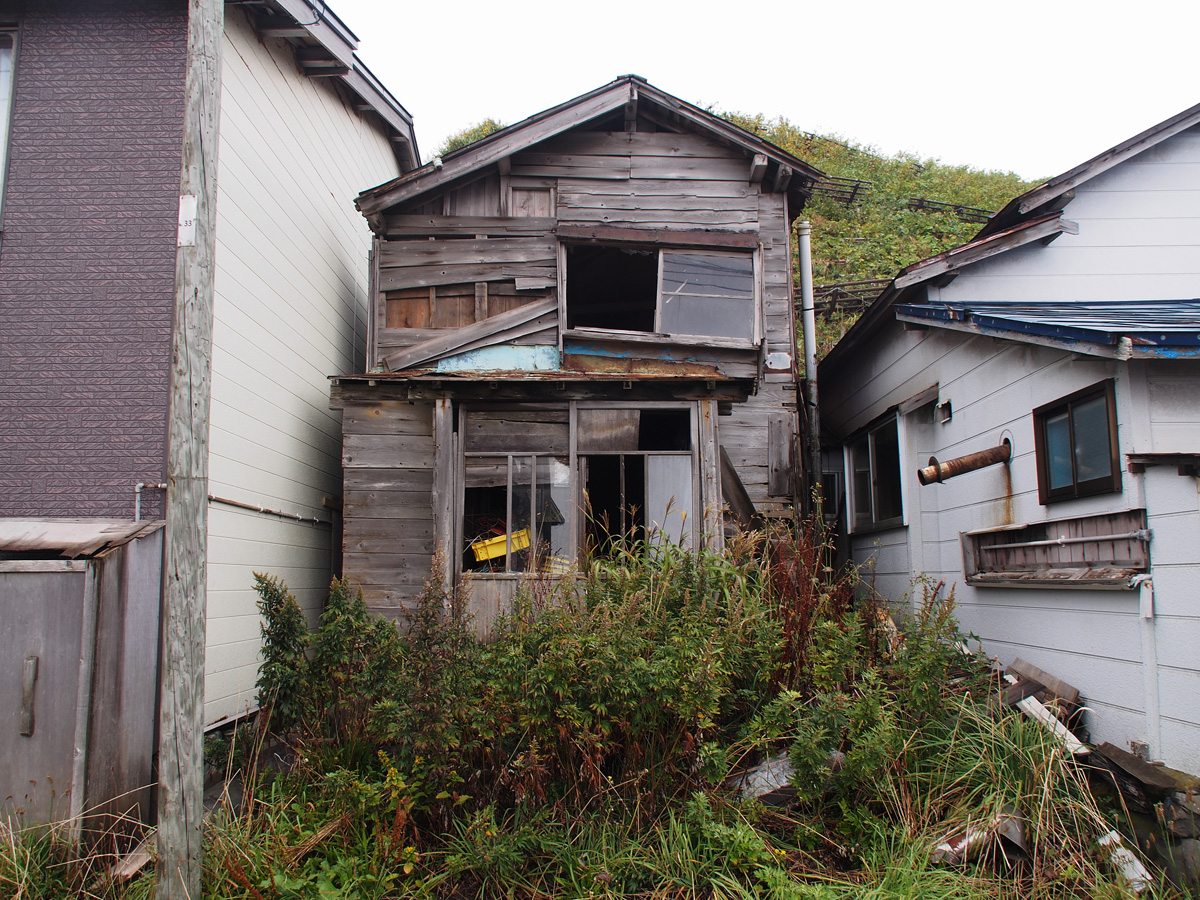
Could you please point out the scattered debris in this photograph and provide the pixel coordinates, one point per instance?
(1005, 832)
(769, 782)
(1033, 708)
(1152, 777)
(1057, 687)
(1127, 864)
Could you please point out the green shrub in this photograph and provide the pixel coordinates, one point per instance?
(285, 640)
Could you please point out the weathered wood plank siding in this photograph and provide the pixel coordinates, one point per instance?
(388, 542)
(290, 310)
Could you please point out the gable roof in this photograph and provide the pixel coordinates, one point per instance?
(1058, 191)
(325, 48)
(629, 92)
(1034, 215)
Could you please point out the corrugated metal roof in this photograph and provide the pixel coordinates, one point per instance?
(69, 538)
(1151, 327)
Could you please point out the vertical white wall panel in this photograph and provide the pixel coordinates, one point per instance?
(290, 310)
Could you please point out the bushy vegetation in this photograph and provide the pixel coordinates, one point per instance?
(468, 136)
(592, 748)
(878, 234)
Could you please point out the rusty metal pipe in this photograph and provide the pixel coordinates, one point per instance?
(940, 471)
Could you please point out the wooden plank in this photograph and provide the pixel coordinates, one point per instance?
(646, 187)
(405, 253)
(1056, 686)
(659, 236)
(402, 226)
(779, 454)
(387, 480)
(443, 498)
(682, 202)
(399, 278)
(642, 143)
(660, 218)
(383, 451)
(445, 343)
(537, 128)
(758, 168)
(387, 417)
(1150, 776)
(582, 161)
(388, 504)
(735, 495)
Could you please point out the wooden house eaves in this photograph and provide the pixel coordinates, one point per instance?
(791, 174)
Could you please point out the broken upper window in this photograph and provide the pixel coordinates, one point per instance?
(1075, 440)
(697, 293)
(874, 462)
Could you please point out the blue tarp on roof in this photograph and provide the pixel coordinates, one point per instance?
(1152, 327)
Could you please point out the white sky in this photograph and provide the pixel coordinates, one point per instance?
(1031, 86)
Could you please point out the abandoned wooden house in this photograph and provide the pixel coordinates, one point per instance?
(582, 330)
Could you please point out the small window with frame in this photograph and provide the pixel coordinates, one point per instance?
(873, 458)
(1075, 440)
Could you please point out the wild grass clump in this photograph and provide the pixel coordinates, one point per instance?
(586, 749)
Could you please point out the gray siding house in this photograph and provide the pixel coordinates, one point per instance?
(91, 117)
(1065, 340)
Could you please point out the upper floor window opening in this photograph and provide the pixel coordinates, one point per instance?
(667, 291)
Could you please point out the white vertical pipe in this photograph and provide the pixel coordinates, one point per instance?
(808, 321)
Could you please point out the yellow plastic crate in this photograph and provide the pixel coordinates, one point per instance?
(494, 547)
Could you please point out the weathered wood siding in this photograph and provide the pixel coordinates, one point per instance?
(1139, 239)
(505, 247)
(389, 540)
(746, 433)
(290, 310)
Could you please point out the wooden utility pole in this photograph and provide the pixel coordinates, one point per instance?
(181, 679)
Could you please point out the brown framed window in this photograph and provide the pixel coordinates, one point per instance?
(1075, 439)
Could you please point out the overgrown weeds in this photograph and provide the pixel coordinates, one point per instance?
(585, 750)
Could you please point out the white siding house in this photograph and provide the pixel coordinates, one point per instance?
(290, 309)
(1070, 327)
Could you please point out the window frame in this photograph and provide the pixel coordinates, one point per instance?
(6, 110)
(855, 523)
(755, 255)
(1106, 484)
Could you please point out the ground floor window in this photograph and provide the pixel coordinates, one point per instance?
(873, 478)
(539, 483)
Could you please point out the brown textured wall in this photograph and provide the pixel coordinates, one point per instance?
(87, 255)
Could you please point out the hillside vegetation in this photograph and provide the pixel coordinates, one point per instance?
(878, 233)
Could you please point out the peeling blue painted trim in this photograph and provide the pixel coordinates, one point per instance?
(521, 358)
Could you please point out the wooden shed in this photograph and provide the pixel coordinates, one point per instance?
(582, 328)
(79, 636)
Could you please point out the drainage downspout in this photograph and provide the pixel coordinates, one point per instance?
(808, 315)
